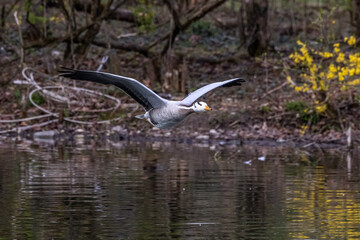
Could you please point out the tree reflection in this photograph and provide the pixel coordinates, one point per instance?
(174, 190)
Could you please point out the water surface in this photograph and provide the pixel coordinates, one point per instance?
(177, 191)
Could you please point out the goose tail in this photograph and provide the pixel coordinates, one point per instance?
(142, 116)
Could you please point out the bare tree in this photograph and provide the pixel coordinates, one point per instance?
(253, 25)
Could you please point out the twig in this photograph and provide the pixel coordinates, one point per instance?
(72, 120)
(45, 30)
(308, 145)
(19, 129)
(280, 115)
(184, 23)
(274, 89)
(126, 35)
(20, 37)
(103, 61)
(62, 99)
(118, 102)
(25, 119)
(30, 80)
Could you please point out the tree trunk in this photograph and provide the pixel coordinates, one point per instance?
(254, 26)
(82, 49)
(356, 17)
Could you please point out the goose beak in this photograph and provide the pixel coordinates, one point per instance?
(207, 108)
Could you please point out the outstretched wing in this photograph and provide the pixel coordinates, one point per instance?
(138, 91)
(192, 97)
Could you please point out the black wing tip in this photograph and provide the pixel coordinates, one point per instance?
(240, 79)
(235, 82)
(66, 72)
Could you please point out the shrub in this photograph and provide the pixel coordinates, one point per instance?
(325, 75)
(296, 106)
(145, 16)
(306, 115)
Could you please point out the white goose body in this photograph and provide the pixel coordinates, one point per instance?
(168, 116)
(160, 112)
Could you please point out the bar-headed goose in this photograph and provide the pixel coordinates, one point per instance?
(160, 112)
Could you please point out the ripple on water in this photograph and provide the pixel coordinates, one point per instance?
(162, 191)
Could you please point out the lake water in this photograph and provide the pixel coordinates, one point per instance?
(177, 191)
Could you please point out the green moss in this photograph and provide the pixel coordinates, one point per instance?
(304, 112)
(38, 99)
(66, 112)
(265, 109)
(357, 98)
(297, 106)
(17, 95)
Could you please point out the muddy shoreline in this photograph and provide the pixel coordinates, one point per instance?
(208, 137)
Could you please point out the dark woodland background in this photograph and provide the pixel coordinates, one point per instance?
(175, 46)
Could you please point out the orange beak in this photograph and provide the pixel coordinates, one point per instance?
(207, 108)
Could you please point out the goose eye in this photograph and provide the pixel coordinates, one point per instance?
(200, 104)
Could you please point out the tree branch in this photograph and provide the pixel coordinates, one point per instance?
(181, 25)
(144, 50)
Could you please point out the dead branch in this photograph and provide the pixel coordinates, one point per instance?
(183, 24)
(116, 13)
(103, 61)
(275, 89)
(25, 119)
(144, 50)
(20, 129)
(72, 36)
(21, 38)
(46, 93)
(56, 40)
(5, 13)
(201, 12)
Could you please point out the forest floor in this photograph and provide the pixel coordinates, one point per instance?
(252, 114)
(255, 113)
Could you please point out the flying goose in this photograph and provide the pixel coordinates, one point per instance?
(160, 112)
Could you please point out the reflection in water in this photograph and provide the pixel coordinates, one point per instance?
(326, 199)
(169, 190)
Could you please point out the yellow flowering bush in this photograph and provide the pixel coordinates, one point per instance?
(325, 74)
(303, 129)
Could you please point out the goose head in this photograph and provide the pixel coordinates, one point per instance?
(200, 107)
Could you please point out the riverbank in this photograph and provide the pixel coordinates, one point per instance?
(194, 130)
(255, 113)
